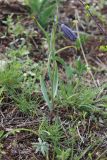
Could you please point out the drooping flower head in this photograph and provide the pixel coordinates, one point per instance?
(68, 32)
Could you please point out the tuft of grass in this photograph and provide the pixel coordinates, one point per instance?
(26, 103)
(11, 77)
(42, 9)
(77, 95)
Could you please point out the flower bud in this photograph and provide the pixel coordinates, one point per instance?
(68, 32)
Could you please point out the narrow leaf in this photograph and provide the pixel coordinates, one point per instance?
(55, 81)
(44, 92)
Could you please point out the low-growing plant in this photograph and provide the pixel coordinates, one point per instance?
(79, 69)
(51, 132)
(43, 9)
(27, 98)
(17, 53)
(11, 77)
(76, 94)
(63, 154)
(14, 29)
(42, 147)
(26, 103)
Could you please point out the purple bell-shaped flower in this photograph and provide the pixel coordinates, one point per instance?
(68, 32)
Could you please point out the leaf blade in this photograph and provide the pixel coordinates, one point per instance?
(55, 81)
(44, 92)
